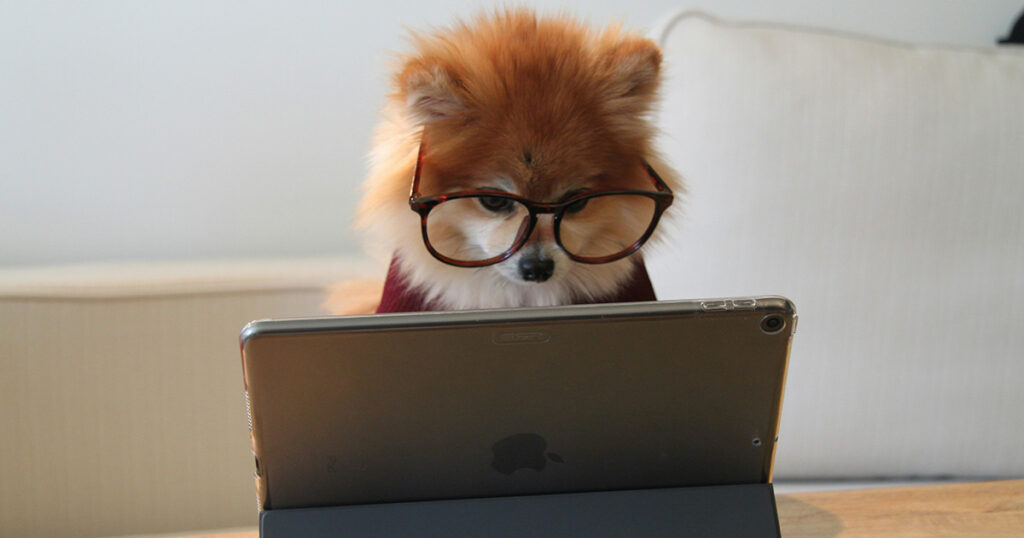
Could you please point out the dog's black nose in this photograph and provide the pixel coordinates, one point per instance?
(536, 268)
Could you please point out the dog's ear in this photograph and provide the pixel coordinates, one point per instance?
(633, 68)
(431, 91)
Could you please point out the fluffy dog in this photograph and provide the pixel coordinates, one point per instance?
(527, 146)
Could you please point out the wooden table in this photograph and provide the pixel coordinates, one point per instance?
(989, 509)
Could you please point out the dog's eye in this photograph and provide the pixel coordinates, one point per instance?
(496, 204)
(578, 206)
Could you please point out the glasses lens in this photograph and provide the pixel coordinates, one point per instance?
(476, 228)
(604, 226)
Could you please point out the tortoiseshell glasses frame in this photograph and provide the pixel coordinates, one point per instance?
(662, 197)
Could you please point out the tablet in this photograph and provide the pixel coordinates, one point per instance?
(471, 404)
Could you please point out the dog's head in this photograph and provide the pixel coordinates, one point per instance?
(530, 114)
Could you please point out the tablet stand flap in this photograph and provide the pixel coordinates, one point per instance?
(746, 510)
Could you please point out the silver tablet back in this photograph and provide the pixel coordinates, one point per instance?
(404, 407)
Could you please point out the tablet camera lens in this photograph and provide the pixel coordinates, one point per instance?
(772, 324)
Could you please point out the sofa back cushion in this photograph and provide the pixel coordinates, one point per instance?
(880, 186)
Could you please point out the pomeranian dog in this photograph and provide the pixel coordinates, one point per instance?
(514, 166)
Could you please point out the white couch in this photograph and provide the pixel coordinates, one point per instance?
(877, 184)
(880, 186)
(121, 406)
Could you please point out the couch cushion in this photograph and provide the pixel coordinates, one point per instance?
(121, 401)
(146, 279)
(879, 185)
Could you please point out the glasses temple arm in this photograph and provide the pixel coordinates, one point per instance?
(414, 191)
(658, 182)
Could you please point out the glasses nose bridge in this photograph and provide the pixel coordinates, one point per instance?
(539, 229)
(538, 208)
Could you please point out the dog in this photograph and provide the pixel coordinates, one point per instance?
(514, 166)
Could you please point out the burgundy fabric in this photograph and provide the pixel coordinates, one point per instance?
(399, 297)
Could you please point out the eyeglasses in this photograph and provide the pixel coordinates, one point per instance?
(476, 228)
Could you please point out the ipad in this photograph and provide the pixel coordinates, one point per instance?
(453, 405)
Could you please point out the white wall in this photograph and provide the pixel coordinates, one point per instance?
(195, 129)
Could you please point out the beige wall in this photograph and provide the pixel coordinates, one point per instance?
(195, 130)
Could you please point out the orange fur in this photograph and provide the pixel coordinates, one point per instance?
(353, 297)
(536, 106)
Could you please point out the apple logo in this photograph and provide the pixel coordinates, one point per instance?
(522, 451)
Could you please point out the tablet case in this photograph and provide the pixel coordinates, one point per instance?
(457, 405)
(712, 511)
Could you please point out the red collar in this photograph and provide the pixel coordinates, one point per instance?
(399, 297)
